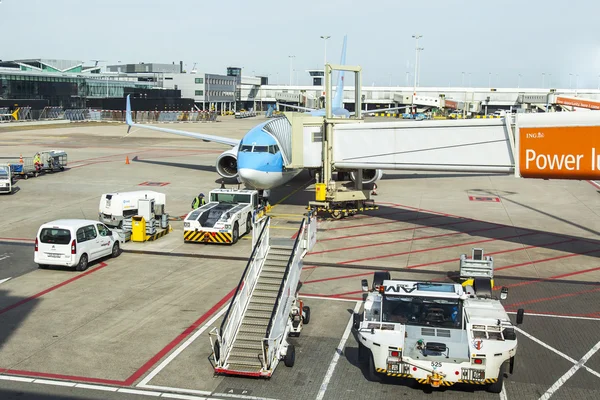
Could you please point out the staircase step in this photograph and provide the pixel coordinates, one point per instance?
(267, 287)
(245, 354)
(258, 314)
(246, 344)
(273, 274)
(274, 268)
(249, 337)
(273, 281)
(260, 307)
(282, 243)
(262, 300)
(243, 365)
(253, 329)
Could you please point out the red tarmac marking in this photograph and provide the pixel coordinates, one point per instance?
(404, 240)
(156, 358)
(62, 377)
(382, 223)
(397, 230)
(17, 239)
(547, 259)
(551, 313)
(596, 185)
(329, 296)
(53, 288)
(439, 248)
(490, 254)
(560, 296)
(585, 271)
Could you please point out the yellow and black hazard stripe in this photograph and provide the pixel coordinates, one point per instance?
(159, 234)
(426, 381)
(482, 382)
(207, 237)
(397, 375)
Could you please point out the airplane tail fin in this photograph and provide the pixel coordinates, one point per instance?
(339, 91)
(128, 119)
(15, 114)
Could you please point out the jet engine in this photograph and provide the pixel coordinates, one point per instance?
(369, 175)
(227, 164)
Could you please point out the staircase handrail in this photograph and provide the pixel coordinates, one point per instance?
(285, 276)
(239, 286)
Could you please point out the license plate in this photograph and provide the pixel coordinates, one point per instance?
(50, 255)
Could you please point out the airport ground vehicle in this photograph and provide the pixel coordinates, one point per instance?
(227, 213)
(116, 207)
(439, 334)
(74, 243)
(6, 179)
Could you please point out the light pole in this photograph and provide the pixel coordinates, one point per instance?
(416, 37)
(291, 69)
(489, 80)
(469, 79)
(570, 84)
(325, 39)
(543, 80)
(463, 79)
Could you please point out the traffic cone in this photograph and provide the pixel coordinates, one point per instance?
(127, 160)
(21, 158)
(374, 191)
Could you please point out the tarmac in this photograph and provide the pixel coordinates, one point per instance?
(138, 325)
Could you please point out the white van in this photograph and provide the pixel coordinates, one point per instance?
(115, 207)
(74, 243)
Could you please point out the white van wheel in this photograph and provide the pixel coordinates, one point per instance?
(83, 263)
(116, 250)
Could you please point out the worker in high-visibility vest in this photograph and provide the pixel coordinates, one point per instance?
(198, 201)
(37, 161)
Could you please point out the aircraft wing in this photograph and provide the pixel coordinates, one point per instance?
(201, 136)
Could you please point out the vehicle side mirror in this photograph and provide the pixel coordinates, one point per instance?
(520, 315)
(503, 293)
(365, 285)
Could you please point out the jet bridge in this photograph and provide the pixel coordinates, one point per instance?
(265, 308)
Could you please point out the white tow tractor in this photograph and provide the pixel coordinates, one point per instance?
(438, 334)
(228, 212)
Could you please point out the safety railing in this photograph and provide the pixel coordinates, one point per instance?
(280, 312)
(241, 298)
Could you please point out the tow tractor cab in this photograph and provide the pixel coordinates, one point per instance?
(228, 212)
(436, 333)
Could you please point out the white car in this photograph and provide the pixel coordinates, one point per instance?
(74, 243)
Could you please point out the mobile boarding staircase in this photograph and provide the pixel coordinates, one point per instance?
(265, 308)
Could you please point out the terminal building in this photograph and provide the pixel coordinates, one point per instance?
(72, 85)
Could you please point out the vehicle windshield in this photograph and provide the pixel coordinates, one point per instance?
(249, 148)
(55, 236)
(230, 198)
(3, 172)
(422, 311)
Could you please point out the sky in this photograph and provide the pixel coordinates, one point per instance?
(465, 43)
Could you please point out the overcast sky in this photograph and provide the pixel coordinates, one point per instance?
(478, 37)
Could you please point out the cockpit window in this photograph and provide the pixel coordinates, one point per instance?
(248, 148)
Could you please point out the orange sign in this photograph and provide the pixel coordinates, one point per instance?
(581, 103)
(562, 152)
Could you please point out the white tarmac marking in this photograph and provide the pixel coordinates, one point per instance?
(552, 349)
(563, 379)
(596, 183)
(558, 316)
(4, 257)
(185, 344)
(336, 356)
(4, 280)
(310, 296)
(503, 393)
(174, 389)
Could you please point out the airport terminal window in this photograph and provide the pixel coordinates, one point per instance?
(55, 236)
(199, 92)
(199, 80)
(422, 311)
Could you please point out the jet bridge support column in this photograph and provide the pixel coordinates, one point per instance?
(339, 201)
